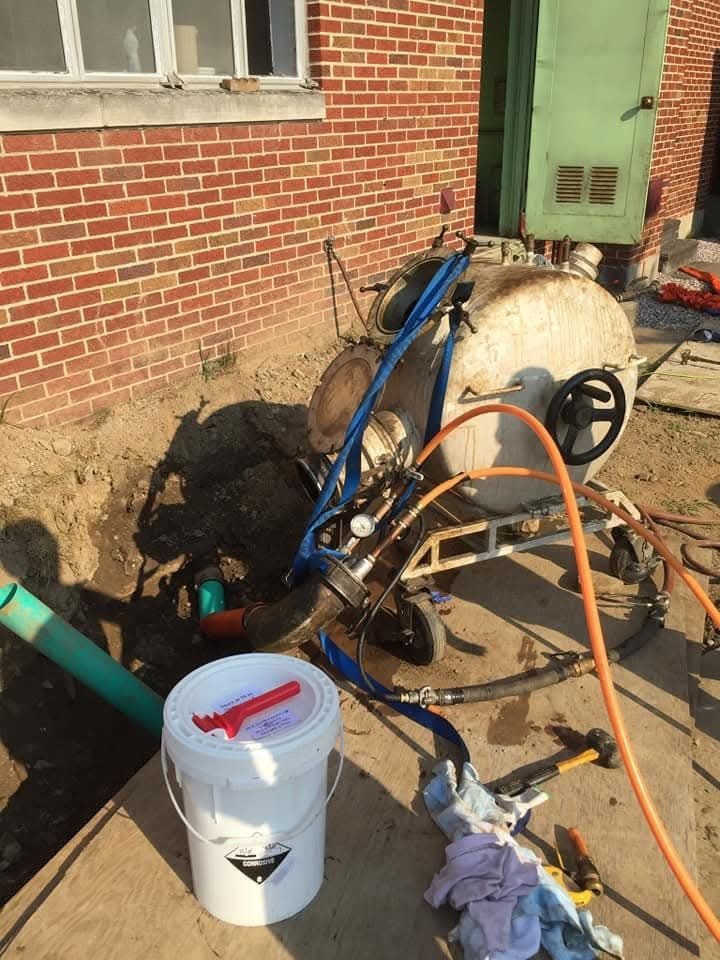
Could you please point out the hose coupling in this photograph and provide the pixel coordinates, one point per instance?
(411, 473)
(422, 697)
(659, 606)
(570, 664)
(405, 519)
(430, 697)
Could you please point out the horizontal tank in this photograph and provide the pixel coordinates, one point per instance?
(536, 328)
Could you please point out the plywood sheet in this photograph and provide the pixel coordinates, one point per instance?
(693, 384)
(120, 889)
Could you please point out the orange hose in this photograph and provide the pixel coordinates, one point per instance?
(597, 643)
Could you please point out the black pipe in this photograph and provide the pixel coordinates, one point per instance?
(562, 667)
(294, 619)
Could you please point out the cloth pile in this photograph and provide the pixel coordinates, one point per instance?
(509, 905)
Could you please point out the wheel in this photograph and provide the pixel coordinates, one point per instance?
(425, 635)
(626, 564)
(572, 407)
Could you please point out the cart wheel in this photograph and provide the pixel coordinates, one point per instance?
(625, 564)
(426, 643)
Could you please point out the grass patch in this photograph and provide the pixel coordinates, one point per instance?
(690, 508)
(4, 404)
(212, 367)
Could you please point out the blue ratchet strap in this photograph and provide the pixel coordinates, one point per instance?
(431, 721)
(349, 457)
(437, 403)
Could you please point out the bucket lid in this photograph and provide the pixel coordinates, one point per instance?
(282, 741)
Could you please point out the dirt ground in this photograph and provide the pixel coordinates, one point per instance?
(104, 521)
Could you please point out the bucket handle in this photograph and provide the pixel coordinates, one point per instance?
(287, 835)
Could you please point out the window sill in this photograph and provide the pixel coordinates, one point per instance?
(73, 109)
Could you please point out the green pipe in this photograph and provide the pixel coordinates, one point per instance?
(37, 625)
(210, 592)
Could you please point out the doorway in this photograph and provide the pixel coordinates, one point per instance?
(506, 85)
(493, 98)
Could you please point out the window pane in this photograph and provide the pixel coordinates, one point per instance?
(116, 37)
(271, 37)
(203, 37)
(30, 36)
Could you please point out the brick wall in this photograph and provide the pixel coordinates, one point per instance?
(688, 121)
(124, 252)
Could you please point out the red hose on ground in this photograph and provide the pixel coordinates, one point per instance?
(592, 617)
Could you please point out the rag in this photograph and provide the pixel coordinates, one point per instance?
(470, 807)
(480, 824)
(483, 877)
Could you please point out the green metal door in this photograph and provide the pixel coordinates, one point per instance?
(597, 79)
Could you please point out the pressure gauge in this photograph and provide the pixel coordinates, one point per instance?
(363, 525)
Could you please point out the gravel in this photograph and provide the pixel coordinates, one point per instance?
(653, 313)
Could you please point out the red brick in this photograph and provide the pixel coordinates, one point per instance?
(100, 158)
(30, 181)
(13, 164)
(44, 252)
(91, 245)
(33, 377)
(122, 173)
(53, 161)
(77, 140)
(28, 143)
(23, 275)
(85, 211)
(86, 281)
(33, 344)
(76, 411)
(69, 231)
(122, 138)
(49, 288)
(63, 353)
(58, 198)
(20, 238)
(34, 308)
(37, 218)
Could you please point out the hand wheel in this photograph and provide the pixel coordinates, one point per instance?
(572, 406)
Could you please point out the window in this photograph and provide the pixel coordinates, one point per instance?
(146, 41)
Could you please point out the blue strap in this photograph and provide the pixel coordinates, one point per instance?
(349, 457)
(431, 721)
(437, 403)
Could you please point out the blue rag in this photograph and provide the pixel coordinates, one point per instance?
(484, 877)
(544, 914)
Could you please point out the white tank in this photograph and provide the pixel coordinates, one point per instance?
(536, 328)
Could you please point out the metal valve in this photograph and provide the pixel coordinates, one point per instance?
(440, 238)
(375, 287)
(471, 244)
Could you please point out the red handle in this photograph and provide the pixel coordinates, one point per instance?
(233, 719)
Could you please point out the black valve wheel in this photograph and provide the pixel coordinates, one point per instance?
(573, 407)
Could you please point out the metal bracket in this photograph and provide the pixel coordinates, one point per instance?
(430, 558)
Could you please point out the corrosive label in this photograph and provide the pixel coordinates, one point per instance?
(258, 863)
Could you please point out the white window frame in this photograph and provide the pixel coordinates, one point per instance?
(163, 37)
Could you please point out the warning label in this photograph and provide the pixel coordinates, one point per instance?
(258, 863)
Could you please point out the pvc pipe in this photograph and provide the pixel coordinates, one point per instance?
(37, 625)
(210, 597)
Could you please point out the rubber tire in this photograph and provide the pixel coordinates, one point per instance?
(624, 564)
(428, 643)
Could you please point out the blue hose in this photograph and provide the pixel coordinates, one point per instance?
(37, 625)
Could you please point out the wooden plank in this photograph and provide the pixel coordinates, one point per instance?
(693, 385)
(120, 889)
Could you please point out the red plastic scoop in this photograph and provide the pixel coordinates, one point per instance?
(233, 719)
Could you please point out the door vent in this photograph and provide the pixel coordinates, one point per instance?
(603, 184)
(569, 184)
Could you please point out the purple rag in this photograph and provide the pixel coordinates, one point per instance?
(486, 876)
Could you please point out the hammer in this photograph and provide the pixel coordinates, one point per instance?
(601, 749)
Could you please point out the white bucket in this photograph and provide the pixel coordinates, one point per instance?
(254, 806)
